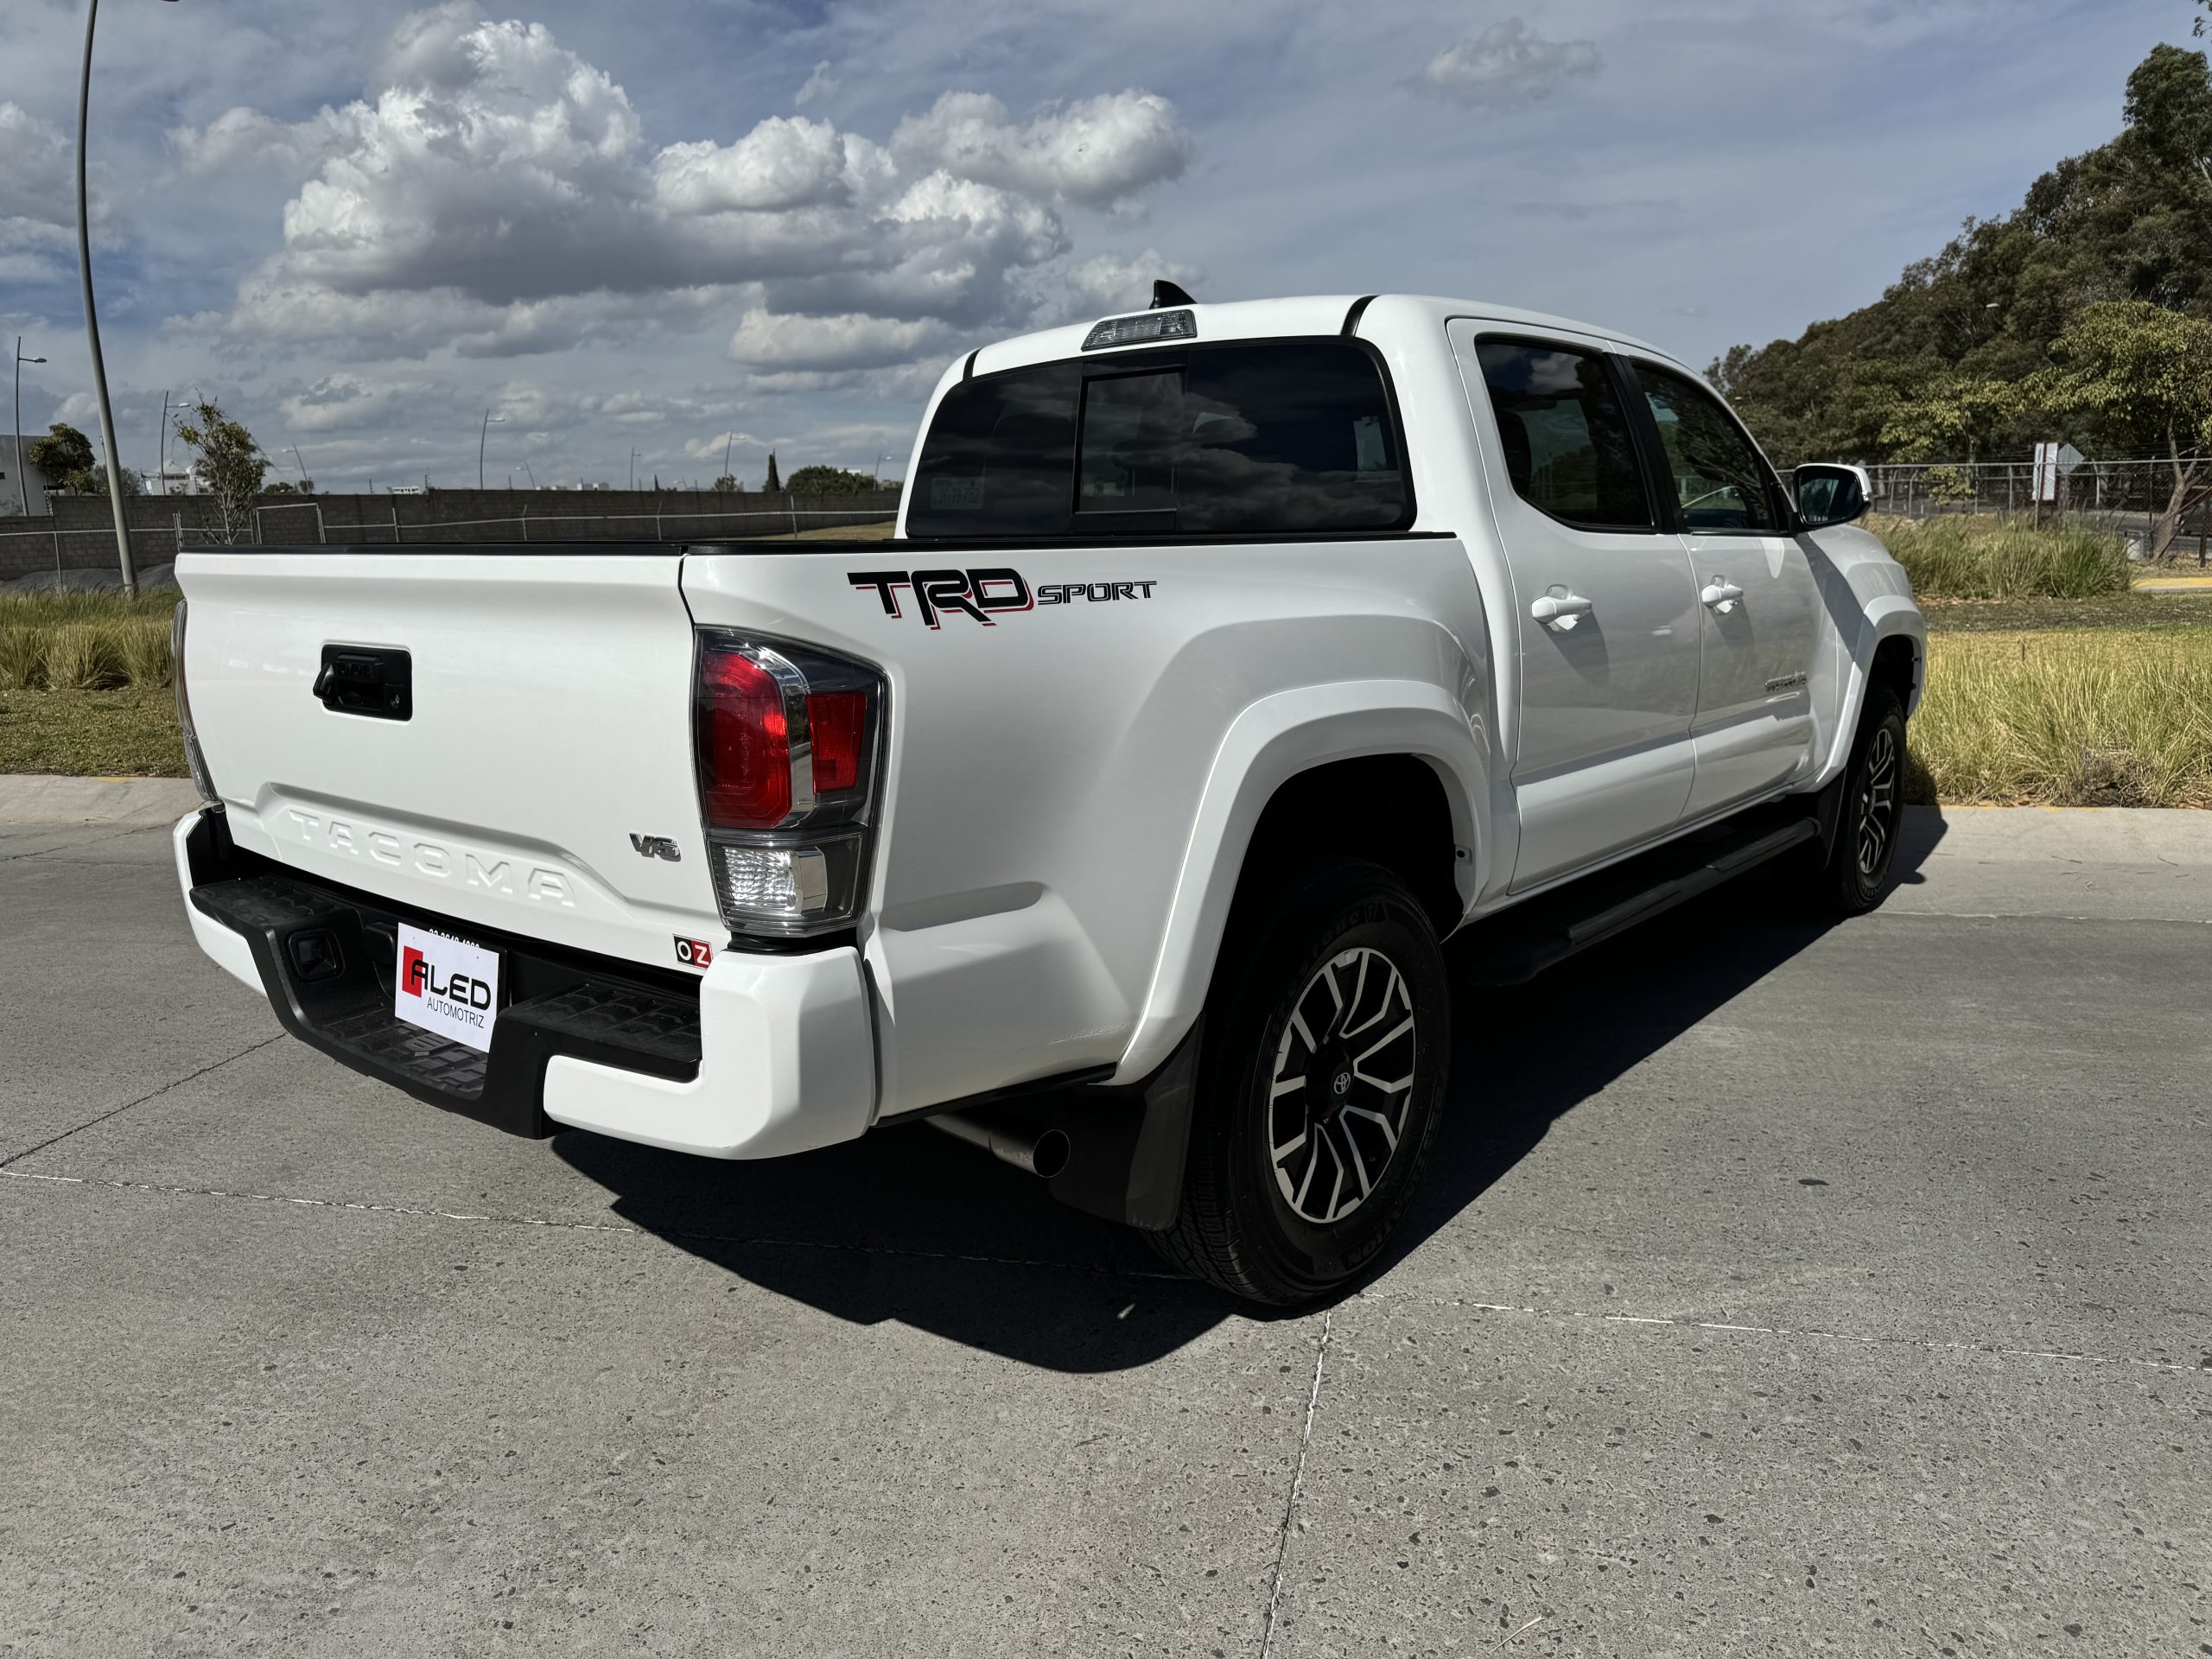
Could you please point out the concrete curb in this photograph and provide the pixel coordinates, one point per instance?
(2094, 834)
(34, 798)
(1985, 834)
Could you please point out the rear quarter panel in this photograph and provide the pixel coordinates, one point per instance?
(1071, 786)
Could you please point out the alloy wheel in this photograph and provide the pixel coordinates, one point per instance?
(1877, 805)
(1343, 1076)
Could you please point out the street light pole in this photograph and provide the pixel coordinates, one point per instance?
(22, 483)
(92, 318)
(481, 433)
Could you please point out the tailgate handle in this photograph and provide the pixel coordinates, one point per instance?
(371, 680)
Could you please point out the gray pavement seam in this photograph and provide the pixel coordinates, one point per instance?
(2034, 916)
(1297, 1483)
(95, 841)
(116, 1111)
(1721, 1327)
(747, 1241)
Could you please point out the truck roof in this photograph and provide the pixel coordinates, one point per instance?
(1312, 313)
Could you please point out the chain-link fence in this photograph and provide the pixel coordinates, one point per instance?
(2126, 496)
(79, 531)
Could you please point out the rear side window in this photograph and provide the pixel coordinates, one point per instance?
(1281, 436)
(1566, 435)
(1718, 477)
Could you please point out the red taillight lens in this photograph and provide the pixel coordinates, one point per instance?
(838, 721)
(744, 748)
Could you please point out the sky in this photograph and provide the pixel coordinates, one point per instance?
(642, 239)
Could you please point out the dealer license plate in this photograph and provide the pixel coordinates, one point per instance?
(447, 986)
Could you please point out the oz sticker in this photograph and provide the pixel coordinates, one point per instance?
(447, 986)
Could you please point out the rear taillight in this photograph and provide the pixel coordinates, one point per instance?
(787, 740)
(194, 760)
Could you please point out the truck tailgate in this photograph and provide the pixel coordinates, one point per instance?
(549, 724)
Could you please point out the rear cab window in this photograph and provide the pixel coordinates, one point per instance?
(1569, 450)
(1227, 438)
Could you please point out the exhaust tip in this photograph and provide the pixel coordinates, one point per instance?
(1051, 1153)
(1042, 1152)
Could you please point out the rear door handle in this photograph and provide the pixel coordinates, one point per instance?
(1722, 594)
(1561, 610)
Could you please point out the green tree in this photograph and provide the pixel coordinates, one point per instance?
(828, 481)
(64, 458)
(2136, 378)
(2128, 220)
(775, 482)
(727, 484)
(1952, 415)
(232, 465)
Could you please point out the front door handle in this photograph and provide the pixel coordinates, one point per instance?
(1721, 594)
(1560, 611)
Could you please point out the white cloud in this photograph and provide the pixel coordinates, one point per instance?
(722, 443)
(820, 84)
(781, 164)
(769, 342)
(1097, 152)
(498, 196)
(242, 140)
(1102, 285)
(38, 182)
(1505, 66)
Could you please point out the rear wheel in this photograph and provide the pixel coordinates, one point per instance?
(1321, 1085)
(1862, 863)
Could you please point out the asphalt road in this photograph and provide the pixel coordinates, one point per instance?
(1780, 1290)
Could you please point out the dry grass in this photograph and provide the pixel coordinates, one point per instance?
(2083, 718)
(1970, 556)
(91, 733)
(85, 642)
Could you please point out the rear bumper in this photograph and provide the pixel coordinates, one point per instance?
(763, 1055)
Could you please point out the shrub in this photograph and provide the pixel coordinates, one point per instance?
(23, 658)
(86, 656)
(1962, 555)
(146, 657)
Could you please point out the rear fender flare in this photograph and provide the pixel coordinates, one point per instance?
(1272, 741)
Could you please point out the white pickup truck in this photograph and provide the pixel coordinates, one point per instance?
(1227, 659)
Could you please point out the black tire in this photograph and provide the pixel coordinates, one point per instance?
(1861, 866)
(1318, 944)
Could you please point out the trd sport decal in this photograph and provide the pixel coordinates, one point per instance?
(984, 595)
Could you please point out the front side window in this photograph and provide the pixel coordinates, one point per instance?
(1275, 436)
(1718, 477)
(1566, 435)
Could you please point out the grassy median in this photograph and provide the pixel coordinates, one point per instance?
(2090, 716)
(2099, 700)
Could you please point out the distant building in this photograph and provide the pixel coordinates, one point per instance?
(12, 485)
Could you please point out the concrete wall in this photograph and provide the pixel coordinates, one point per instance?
(80, 535)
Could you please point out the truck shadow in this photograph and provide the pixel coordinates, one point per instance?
(910, 1226)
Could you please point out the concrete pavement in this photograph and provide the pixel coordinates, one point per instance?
(1779, 1290)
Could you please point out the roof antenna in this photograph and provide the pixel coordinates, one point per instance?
(1166, 293)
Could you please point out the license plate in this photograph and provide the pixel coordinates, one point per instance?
(447, 986)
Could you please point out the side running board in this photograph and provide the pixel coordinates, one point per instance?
(1530, 937)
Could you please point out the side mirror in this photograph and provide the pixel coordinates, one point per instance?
(1829, 492)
